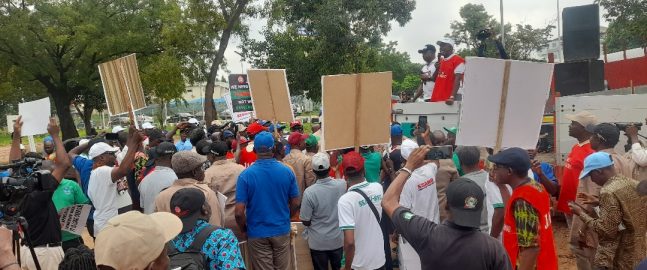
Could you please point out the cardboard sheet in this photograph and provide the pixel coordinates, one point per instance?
(73, 218)
(356, 109)
(35, 116)
(11, 119)
(270, 94)
(122, 85)
(525, 97)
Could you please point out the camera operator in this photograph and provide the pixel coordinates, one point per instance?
(44, 228)
(637, 153)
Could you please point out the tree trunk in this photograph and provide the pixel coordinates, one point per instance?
(87, 118)
(62, 104)
(210, 112)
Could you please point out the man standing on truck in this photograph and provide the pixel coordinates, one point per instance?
(450, 73)
(427, 74)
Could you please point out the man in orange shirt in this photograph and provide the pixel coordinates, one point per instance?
(450, 74)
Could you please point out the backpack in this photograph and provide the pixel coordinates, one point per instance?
(192, 258)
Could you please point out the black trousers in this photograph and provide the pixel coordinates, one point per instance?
(320, 259)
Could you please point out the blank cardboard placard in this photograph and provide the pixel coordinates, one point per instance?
(35, 116)
(356, 109)
(528, 86)
(270, 94)
(10, 121)
(122, 85)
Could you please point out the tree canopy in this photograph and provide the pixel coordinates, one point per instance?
(627, 24)
(58, 45)
(315, 38)
(520, 43)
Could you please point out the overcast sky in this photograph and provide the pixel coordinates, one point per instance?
(431, 18)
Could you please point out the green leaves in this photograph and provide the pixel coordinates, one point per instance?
(628, 24)
(315, 37)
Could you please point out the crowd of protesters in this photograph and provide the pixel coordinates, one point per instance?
(224, 197)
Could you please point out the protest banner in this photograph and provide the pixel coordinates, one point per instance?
(122, 86)
(270, 94)
(357, 109)
(236, 117)
(503, 103)
(241, 100)
(35, 116)
(11, 119)
(73, 218)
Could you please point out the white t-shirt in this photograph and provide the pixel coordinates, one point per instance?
(493, 200)
(428, 86)
(151, 186)
(105, 197)
(355, 214)
(420, 195)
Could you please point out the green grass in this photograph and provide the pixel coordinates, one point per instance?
(5, 138)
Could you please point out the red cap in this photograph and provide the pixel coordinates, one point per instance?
(297, 138)
(242, 141)
(255, 128)
(295, 123)
(353, 160)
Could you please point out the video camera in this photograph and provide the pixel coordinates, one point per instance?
(26, 178)
(623, 126)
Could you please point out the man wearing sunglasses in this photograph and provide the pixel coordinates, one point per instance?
(527, 231)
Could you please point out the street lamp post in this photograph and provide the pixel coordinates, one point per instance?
(502, 25)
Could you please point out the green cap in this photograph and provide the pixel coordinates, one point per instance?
(453, 130)
(312, 140)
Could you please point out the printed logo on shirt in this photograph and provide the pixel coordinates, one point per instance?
(407, 215)
(425, 184)
(374, 199)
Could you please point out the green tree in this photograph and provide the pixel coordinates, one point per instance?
(520, 44)
(315, 38)
(232, 12)
(60, 43)
(628, 24)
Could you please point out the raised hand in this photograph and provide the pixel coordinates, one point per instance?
(17, 125)
(52, 127)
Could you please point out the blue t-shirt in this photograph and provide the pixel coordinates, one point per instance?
(548, 172)
(84, 167)
(266, 188)
(184, 145)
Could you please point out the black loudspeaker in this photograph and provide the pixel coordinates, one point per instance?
(579, 77)
(581, 33)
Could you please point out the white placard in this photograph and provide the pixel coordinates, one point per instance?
(527, 93)
(73, 218)
(10, 120)
(35, 116)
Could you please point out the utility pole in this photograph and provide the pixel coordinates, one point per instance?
(502, 25)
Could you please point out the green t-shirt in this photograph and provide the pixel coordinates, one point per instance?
(372, 166)
(68, 193)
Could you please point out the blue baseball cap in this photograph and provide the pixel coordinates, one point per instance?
(515, 158)
(596, 161)
(228, 134)
(396, 130)
(263, 142)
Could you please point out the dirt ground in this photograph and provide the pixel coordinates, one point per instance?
(566, 259)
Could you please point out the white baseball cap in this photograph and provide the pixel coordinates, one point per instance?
(446, 40)
(147, 125)
(407, 148)
(100, 148)
(117, 129)
(193, 121)
(320, 162)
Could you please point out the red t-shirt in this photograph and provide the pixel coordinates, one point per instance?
(571, 177)
(445, 81)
